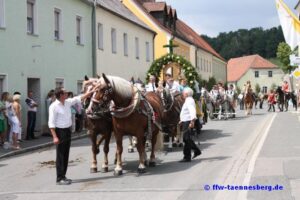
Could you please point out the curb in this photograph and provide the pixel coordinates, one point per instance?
(37, 147)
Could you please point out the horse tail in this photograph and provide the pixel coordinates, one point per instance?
(159, 145)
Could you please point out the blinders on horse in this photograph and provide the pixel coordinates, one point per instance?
(106, 98)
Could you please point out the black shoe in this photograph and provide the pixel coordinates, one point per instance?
(185, 160)
(70, 180)
(196, 153)
(63, 182)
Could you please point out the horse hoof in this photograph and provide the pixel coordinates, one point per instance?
(152, 164)
(93, 170)
(104, 170)
(130, 150)
(146, 163)
(180, 145)
(118, 173)
(141, 170)
(174, 145)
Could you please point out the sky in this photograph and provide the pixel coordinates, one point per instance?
(210, 17)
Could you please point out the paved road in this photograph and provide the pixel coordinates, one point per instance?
(235, 152)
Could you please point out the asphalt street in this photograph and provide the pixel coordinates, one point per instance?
(262, 149)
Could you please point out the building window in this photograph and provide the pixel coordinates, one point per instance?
(30, 16)
(100, 36)
(137, 48)
(264, 89)
(256, 74)
(2, 83)
(57, 24)
(113, 40)
(270, 73)
(79, 30)
(59, 82)
(2, 14)
(125, 40)
(147, 51)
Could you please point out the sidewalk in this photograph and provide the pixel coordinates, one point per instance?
(279, 159)
(32, 145)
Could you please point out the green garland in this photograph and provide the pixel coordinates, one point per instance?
(189, 70)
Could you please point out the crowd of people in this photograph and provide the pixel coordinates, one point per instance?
(11, 117)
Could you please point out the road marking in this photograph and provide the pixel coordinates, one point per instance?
(243, 194)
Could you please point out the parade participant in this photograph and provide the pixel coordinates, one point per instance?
(18, 110)
(271, 100)
(187, 119)
(232, 95)
(31, 116)
(60, 123)
(150, 87)
(171, 84)
(215, 93)
(285, 87)
(183, 85)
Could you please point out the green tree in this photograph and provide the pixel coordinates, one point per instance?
(211, 82)
(257, 88)
(238, 90)
(283, 53)
(273, 86)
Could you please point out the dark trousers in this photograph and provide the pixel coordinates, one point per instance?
(189, 144)
(62, 152)
(271, 106)
(31, 118)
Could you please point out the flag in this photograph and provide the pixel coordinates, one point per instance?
(290, 24)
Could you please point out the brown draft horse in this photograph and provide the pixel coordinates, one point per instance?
(97, 123)
(131, 116)
(172, 104)
(248, 99)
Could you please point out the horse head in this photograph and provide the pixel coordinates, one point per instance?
(101, 98)
(87, 86)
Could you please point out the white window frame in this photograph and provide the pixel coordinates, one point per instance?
(79, 38)
(125, 43)
(34, 18)
(2, 14)
(60, 32)
(59, 80)
(113, 34)
(270, 73)
(100, 36)
(147, 51)
(137, 48)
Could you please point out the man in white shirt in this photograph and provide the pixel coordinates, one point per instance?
(187, 119)
(31, 115)
(60, 122)
(150, 87)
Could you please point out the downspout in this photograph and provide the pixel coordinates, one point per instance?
(94, 40)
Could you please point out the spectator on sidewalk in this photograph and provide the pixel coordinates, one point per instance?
(4, 99)
(14, 122)
(2, 121)
(17, 104)
(60, 122)
(31, 116)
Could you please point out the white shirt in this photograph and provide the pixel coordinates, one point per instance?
(30, 106)
(188, 111)
(150, 87)
(60, 115)
(174, 87)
